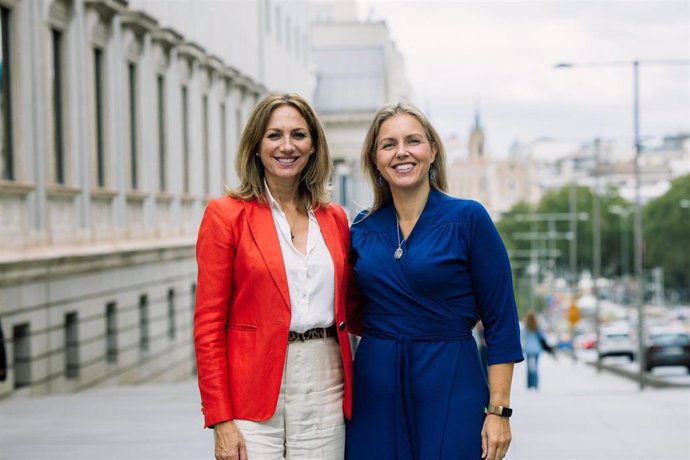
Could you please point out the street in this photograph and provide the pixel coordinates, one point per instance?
(576, 415)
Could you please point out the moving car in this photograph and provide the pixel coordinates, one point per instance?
(667, 347)
(617, 340)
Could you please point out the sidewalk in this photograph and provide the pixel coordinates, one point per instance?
(576, 415)
(580, 415)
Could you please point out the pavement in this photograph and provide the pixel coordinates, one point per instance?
(576, 414)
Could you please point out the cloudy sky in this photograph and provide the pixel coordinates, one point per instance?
(499, 56)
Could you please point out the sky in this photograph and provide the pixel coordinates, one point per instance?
(498, 57)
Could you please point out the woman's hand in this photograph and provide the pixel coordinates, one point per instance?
(496, 437)
(229, 442)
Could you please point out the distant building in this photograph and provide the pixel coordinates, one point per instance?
(358, 71)
(497, 183)
(119, 121)
(559, 163)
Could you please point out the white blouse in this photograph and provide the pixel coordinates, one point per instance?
(311, 277)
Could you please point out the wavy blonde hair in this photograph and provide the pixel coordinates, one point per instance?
(313, 183)
(382, 191)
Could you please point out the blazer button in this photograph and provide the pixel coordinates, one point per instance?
(342, 326)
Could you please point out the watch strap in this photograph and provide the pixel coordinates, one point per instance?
(501, 411)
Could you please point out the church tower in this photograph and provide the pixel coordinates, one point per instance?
(476, 142)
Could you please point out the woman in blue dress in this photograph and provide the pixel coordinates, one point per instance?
(428, 267)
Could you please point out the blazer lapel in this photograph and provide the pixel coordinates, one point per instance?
(331, 235)
(260, 219)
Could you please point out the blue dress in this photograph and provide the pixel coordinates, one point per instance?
(419, 388)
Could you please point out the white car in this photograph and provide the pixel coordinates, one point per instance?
(617, 341)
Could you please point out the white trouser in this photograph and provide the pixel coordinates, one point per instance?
(308, 422)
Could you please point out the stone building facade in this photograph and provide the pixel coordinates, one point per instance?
(119, 121)
(497, 183)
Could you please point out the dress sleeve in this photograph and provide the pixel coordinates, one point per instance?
(492, 284)
(215, 253)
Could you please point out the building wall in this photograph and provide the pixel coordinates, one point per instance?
(496, 183)
(120, 222)
(267, 39)
(359, 70)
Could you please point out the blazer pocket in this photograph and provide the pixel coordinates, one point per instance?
(241, 327)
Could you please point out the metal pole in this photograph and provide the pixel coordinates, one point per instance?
(625, 245)
(596, 248)
(639, 275)
(573, 233)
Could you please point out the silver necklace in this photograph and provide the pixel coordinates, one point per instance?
(398, 252)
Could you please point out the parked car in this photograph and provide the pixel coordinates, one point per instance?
(667, 347)
(585, 341)
(617, 340)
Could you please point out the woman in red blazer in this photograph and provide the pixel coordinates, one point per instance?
(271, 339)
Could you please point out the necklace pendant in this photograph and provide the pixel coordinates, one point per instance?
(398, 253)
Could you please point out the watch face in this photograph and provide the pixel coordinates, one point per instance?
(498, 410)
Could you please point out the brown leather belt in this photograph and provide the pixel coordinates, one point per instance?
(311, 334)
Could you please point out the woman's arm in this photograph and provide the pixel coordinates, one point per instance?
(496, 435)
(215, 251)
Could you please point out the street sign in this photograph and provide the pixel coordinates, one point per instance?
(574, 314)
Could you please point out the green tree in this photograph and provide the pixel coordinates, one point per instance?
(666, 222)
(614, 230)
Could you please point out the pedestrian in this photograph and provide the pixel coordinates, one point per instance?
(3, 357)
(274, 370)
(428, 267)
(534, 343)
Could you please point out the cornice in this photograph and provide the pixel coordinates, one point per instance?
(107, 8)
(139, 22)
(191, 51)
(167, 38)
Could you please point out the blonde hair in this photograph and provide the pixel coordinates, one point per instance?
(313, 182)
(382, 191)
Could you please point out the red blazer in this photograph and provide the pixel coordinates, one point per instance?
(242, 315)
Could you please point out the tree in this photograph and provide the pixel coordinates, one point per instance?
(666, 222)
(517, 222)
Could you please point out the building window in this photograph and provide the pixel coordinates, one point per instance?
(238, 125)
(297, 44)
(71, 346)
(288, 34)
(58, 119)
(7, 156)
(223, 145)
(133, 134)
(185, 140)
(206, 160)
(21, 355)
(192, 294)
(144, 323)
(162, 159)
(111, 332)
(100, 116)
(305, 47)
(171, 314)
(278, 24)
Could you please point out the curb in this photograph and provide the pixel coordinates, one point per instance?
(649, 380)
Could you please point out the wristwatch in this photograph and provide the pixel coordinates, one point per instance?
(498, 410)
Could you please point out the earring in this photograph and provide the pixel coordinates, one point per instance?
(381, 180)
(256, 153)
(432, 174)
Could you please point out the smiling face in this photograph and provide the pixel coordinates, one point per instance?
(286, 145)
(404, 153)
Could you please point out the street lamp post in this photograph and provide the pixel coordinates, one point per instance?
(596, 249)
(623, 213)
(639, 280)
